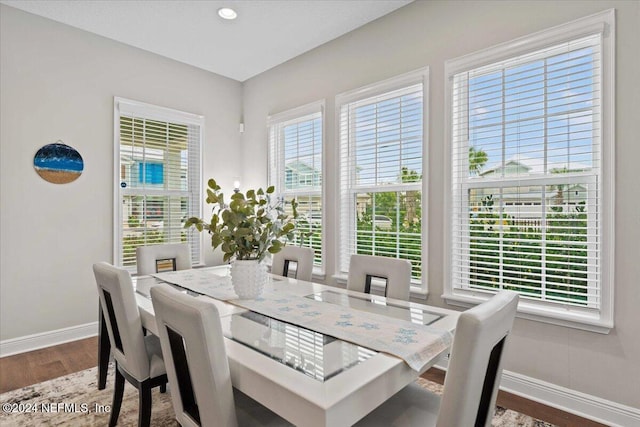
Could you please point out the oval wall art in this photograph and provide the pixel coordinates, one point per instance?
(58, 163)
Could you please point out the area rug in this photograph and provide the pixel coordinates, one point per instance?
(74, 400)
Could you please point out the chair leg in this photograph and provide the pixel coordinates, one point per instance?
(163, 388)
(104, 348)
(144, 414)
(118, 391)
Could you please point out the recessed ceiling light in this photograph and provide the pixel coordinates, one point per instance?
(227, 13)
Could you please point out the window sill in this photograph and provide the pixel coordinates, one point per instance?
(318, 274)
(415, 292)
(527, 309)
(200, 265)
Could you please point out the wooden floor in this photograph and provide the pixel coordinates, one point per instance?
(40, 365)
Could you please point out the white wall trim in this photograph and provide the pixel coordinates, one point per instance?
(584, 405)
(575, 402)
(47, 339)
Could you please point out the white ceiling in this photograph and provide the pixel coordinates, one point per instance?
(265, 34)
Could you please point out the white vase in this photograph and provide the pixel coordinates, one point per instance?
(248, 278)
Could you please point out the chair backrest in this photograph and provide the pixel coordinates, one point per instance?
(122, 317)
(397, 272)
(303, 257)
(177, 255)
(475, 369)
(195, 357)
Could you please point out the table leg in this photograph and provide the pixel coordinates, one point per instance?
(104, 349)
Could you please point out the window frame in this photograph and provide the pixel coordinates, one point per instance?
(128, 107)
(298, 114)
(419, 76)
(601, 319)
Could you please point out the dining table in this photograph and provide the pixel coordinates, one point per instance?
(317, 355)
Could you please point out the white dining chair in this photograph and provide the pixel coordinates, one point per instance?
(197, 365)
(396, 272)
(138, 358)
(473, 377)
(301, 256)
(176, 255)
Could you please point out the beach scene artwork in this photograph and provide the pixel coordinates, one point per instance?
(58, 163)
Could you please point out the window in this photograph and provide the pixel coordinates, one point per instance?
(531, 151)
(295, 160)
(157, 166)
(382, 171)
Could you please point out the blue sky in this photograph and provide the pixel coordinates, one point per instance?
(512, 110)
(388, 137)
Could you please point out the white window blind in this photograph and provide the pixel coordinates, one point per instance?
(157, 178)
(527, 175)
(381, 154)
(295, 160)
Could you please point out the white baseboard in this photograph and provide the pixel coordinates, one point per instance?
(574, 402)
(584, 405)
(47, 339)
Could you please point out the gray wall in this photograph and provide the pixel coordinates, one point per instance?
(426, 34)
(58, 82)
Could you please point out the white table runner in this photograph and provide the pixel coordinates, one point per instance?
(213, 282)
(416, 344)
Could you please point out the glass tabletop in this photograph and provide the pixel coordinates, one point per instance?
(317, 355)
(143, 284)
(314, 354)
(370, 304)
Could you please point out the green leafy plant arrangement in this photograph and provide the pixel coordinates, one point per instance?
(249, 227)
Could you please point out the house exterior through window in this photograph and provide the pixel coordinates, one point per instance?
(295, 169)
(531, 146)
(382, 137)
(158, 178)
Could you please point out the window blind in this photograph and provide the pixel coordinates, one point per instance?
(526, 174)
(295, 160)
(158, 182)
(381, 142)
